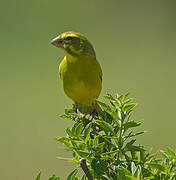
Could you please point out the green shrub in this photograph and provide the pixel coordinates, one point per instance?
(105, 147)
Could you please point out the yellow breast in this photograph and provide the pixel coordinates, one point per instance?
(81, 79)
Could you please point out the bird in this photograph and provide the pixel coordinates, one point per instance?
(80, 71)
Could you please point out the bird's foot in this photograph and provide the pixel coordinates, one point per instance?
(75, 107)
(94, 113)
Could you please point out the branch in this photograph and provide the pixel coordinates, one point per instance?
(85, 168)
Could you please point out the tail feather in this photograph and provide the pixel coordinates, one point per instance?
(84, 109)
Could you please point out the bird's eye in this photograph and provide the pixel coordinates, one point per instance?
(68, 38)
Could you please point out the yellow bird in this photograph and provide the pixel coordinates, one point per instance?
(79, 71)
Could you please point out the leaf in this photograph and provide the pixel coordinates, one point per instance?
(38, 176)
(143, 155)
(157, 166)
(68, 131)
(136, 134)
(107, 158)
(138, 173)
(100, 147)
(165, 154)
(123, 173)
(126, 95)
(95, 165)
(133, 168)
(119, 114)
(69, 111)
(95, 141)
(128, 101)
(171, 152)
(130, 143)
(110, 97)
(64, 116)
(72, 175)
(63, 140)
(133, 148)
(108, 178)
(73, 130)
(105, 126)
(54, 178)
(79, 129)
(128, 108)
(116, 118)
(84, 177)
(131, 124)
(120, 97)
(131, 177)
(87, 132)
(83, 154)
(104, 106)
(65, 159)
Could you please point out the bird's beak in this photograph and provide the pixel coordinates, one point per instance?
(58, 42)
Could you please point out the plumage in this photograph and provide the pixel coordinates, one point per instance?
(80, 72)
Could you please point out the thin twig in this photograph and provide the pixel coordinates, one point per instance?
(85, 168)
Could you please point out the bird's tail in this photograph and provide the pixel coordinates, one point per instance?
(89, 109)
(98, 108)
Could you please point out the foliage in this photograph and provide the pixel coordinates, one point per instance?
(108, 143)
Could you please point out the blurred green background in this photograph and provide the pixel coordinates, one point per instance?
(135, 42)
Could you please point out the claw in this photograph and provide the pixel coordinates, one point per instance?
(75, 106)
(94, 113)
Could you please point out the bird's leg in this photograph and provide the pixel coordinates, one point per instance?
(94, 112)
(75, 107)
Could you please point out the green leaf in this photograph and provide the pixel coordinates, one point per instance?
(130, 177)
(123, 174)
(68, 111)
(165, 154)
(84, 177)
(126, 95)
(87, 132)
(107, 178)
(133, 148)
(65, 159)
(133, 168)
(72, 175)
(131, 124)
(128, 108)
(100, 147)
(171, 152)
(104, 106)
(127, 146)
(38, 176)
(68, 131)
(157, 166)
(54, 178)
(120, 97)
(79, 129)
(73, 130)
(95, 141)
(64, 116)
(110, 97)
(136, 134)
(106, 158)
(119, 114)
(138, 173)
(63, 140)
(116, 118)
(105, 126)
(95, 165)
(128, 101)
(83, 154)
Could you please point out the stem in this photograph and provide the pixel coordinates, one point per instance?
(120, 135)
(85, 168)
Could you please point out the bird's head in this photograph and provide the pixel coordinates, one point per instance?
(74, 44)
